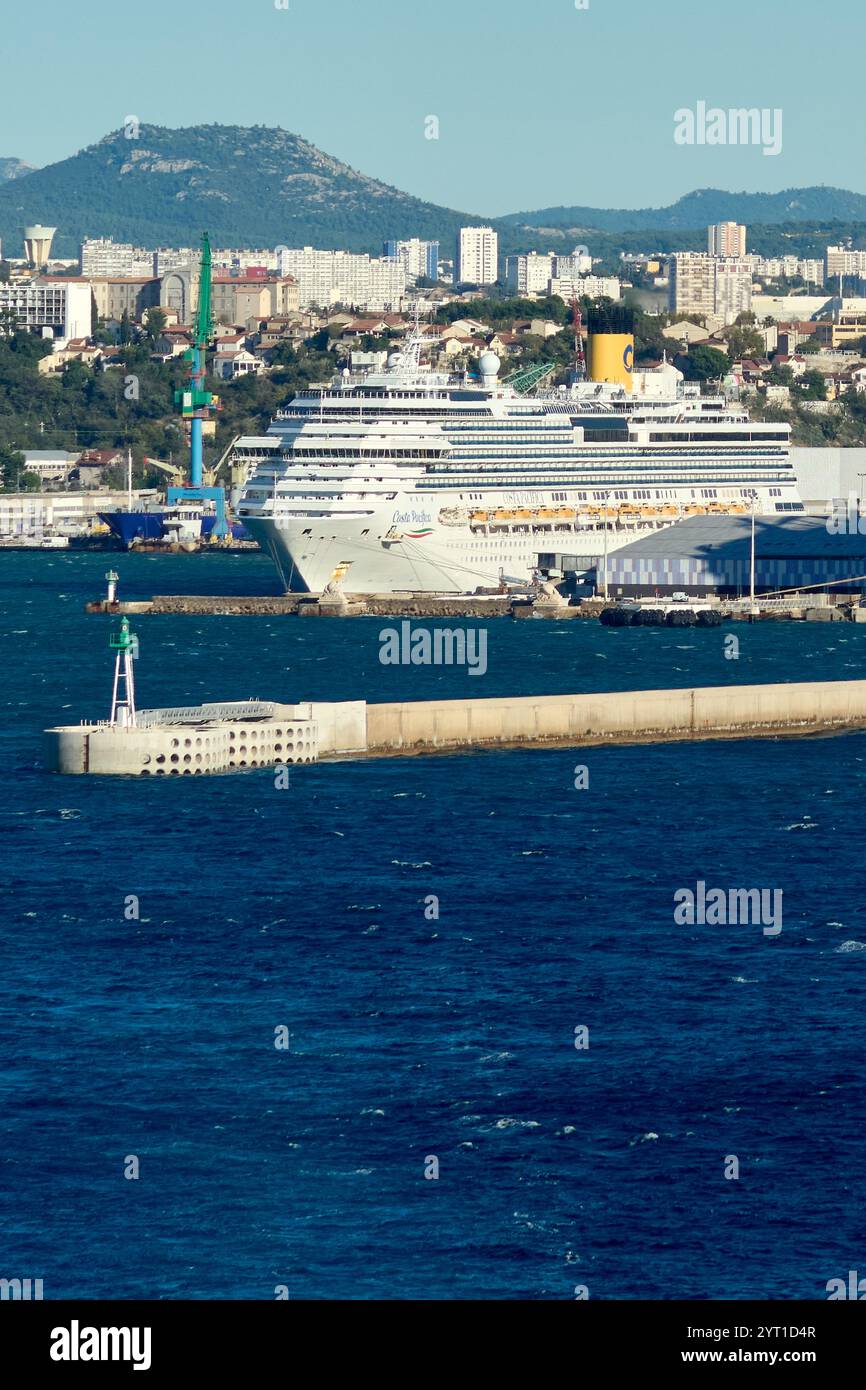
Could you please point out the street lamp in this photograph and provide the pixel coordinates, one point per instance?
(754, 498)
(604, 571)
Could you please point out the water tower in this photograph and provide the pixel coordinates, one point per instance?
(37, 245)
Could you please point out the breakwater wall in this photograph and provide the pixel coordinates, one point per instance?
(615, 717)
(226, 737)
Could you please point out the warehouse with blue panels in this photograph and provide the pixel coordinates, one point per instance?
(712, 554)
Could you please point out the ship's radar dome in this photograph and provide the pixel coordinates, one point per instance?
(489, 364)
(395, 359)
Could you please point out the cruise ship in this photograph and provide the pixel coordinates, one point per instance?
(410, 479)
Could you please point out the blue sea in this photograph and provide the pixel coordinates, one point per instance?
(419, 1041)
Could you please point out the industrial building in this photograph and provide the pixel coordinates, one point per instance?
(712, 555)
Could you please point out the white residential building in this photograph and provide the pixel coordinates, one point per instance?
(339, 277)
(839, 260)
(577, 263)
(733, 289)
(771, 268)
(166, 258)
(61, 308)
(102, 257)
(726, 239)
(477, 256)
(236, 361)
(529, 274)
(569, 287)
(416, 257)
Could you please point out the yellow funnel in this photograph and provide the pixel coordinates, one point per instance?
(611, 356)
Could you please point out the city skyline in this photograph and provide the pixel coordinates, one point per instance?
(456, 107)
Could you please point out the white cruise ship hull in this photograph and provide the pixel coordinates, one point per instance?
(376, 554)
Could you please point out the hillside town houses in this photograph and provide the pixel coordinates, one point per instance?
(268, 300)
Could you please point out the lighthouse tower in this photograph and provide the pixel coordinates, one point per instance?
(125, 644)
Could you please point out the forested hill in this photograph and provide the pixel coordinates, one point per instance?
(248, 187)
(706, 205)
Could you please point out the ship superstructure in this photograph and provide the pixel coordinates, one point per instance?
(413, 479)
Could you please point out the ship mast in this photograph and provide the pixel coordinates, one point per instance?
(579, 354)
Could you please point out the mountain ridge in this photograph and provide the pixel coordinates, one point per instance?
(264, 186)
(11, 168)
(702, 207)
(255, 186)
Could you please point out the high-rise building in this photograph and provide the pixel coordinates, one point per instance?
(529, 274)
(710, 285)
(477, 256)
(416, 257)
(726, 239)
(325, 278)
(733, 288)
(692, 286)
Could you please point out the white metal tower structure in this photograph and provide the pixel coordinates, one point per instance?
(125, 644)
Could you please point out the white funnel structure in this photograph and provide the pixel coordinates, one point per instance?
(37, 245)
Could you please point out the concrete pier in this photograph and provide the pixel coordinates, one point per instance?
(222, 738)
(701, 712)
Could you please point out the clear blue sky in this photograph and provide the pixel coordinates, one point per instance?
(539, 103)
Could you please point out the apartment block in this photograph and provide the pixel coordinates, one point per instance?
(726, 239)
(325, 278)
(416, 257)
(840, 260)
(60, 308)
(710, 285)
(104, 258)
(569, 287)
(477, 256)
(529, 274)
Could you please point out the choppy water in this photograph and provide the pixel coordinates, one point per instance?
(413, 1038)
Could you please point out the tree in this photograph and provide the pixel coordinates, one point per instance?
(155, 326)
(11, 467)
(744, 341)
(811, 387)
(704, 363)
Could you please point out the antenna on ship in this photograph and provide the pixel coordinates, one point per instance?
(125, 644)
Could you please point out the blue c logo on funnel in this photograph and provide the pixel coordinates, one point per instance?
(628, 356)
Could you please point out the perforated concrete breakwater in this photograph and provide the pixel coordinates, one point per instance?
(222, 738)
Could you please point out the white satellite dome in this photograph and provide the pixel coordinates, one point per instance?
(489, 364)
(395, 359)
